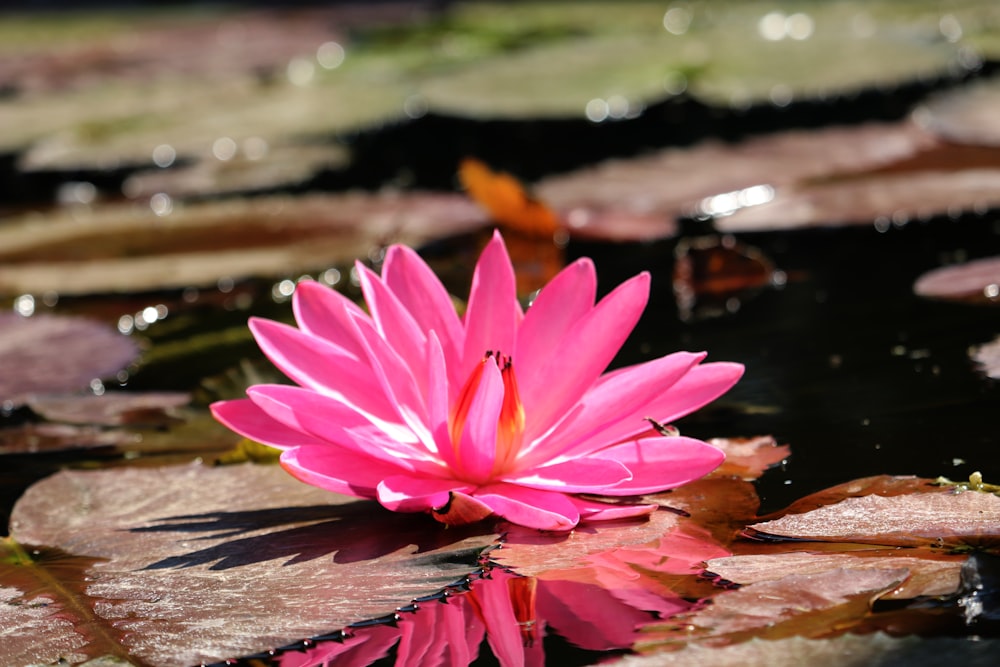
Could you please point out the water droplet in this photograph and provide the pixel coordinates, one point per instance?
(330, 55)
(25, 305)
(677, 20)
(164, 155)
(161, 204)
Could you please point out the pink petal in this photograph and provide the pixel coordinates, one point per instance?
(438, 408)
(531, 508)
(615, 399)
(552, 315)
(573, 476)
(333, 422)
(322, 366)
(337, 469)
(396, 381)
(477, 449)
(559, 383)
(591, 510)
(701, 385)
(394, 323)
(322, 311)
(423, 295)
(493, 314)
(242, 416)
(405, 493)
(660, 463)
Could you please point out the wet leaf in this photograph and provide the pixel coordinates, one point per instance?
(977, 281)
(929, 573)
(180, 549)
(807, 605)
(883, 485)
(947, 519)
(200, 244)
(50, 354)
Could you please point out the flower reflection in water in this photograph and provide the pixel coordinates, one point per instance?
(597, 605)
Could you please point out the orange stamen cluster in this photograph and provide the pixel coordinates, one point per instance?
(510, 423)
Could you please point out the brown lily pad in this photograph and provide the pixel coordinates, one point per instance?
(196, 564)
(201, 244)
(38, 438)
(929, 573)
(977, 281)
(965, 115)
(110, 408)
(712, 177)
(807, 605)
(46, 354)
(954, 518)
(880, 199)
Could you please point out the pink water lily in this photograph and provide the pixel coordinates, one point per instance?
(502, 411)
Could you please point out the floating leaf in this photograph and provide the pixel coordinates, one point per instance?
(50, 354)
(883, 199)
(258, 561)
(921, 519)
(38, 438)
(929, 574)
(273, 236)
(966, 114)
(977, 281)
(712, 178)
(111, 408)
(807, 605)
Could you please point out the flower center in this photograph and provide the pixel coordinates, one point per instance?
(510, 423)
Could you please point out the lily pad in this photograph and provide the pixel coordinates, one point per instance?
(879, 199)
(87, 350)
(965, 115)
(111, 408)
(259, 561)
(977, 281)
(199, 244)
(712, 178)
(962, 518)
(929, 574)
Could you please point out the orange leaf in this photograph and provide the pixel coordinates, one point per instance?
(506, 200)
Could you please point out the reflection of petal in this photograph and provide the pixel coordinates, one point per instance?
(359, 650)
(588, 615)
(493, 604)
